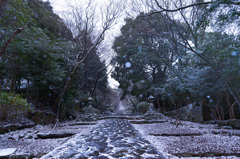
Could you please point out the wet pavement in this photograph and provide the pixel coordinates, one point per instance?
(111, 138)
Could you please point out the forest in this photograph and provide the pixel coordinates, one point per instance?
(178, 52)
(176, 65)
(39, 56)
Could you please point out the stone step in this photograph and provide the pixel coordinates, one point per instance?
(82, 123)
(121, 117)
(147, 121)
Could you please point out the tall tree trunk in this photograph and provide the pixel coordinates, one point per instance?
(95, 85)
(67, 84)
(230, 106)
(231, 111)
(13, 84)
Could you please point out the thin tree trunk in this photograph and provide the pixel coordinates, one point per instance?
(6, 87)
(233, 114)
(219, 114)
(222, 113)
(214, 112)
(67, 84)
(13, 84)
(11, 88)
(95, 98)
(27, 90)
(231, 111)
(134, 105)
(61, 96)
(95, 85)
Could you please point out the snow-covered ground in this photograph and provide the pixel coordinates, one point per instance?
(186, 140)
(192, 139)
(26, 141)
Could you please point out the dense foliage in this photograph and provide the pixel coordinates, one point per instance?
(182, 60)
(12, 105)
(39, 58)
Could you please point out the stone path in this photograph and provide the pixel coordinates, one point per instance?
(112, 138)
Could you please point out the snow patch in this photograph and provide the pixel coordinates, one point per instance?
(7, 152)
(170, 140)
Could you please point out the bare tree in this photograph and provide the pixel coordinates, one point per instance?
(89, 24)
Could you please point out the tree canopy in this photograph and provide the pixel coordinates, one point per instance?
(181, 55)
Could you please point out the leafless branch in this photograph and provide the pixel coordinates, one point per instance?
(180, 8)
(12, 37)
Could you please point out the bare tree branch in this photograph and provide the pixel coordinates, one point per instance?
(188, 6)
(180, 8)
(12, 37)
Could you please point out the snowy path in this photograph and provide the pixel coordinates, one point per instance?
(111, 138)
(121, 107)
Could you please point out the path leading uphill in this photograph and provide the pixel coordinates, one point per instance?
(111, 138)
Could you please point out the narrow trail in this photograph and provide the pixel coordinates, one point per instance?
(111, 138)
(121, 108)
